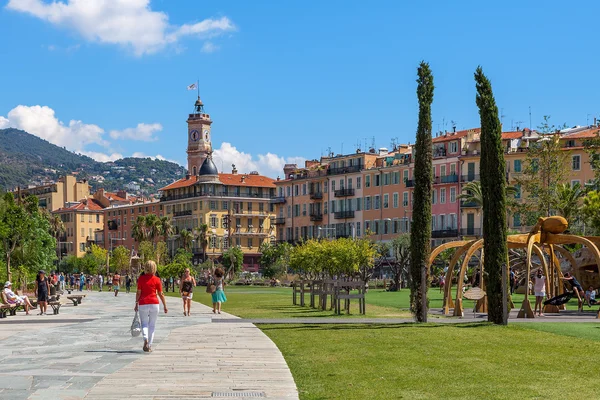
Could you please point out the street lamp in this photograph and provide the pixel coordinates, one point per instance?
(214, 245)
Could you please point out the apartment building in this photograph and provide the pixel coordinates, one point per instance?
(56, 195)
(82, 220)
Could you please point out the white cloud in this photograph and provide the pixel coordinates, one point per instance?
(209, 47)
(268, 164)
(102, 157)
(139, 154)
(129, 23)
(143, 132)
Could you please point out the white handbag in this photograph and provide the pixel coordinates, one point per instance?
(136, 326)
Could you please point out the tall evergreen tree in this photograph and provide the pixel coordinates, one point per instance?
(420, 235)
(493, 190)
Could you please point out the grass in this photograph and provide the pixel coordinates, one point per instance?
(266, 302)
(439, 361)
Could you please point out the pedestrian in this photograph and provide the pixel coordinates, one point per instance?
(539, 288)
(442, 282)
(577, 288)
(186, 290)
(88, 281)
(81, 282)
(590, 296)
(127, 283)
(116, 281)
(512, 280)
(41, 290)
(218, 296)
(171, 283)
(149, 289)
(100, 281)
(61, 279)
(71, 281)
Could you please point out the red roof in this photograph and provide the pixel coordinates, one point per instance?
(89, 204)
(586, 134)
(114, 197)
(454, 135)
(229, 180)
(512, 135)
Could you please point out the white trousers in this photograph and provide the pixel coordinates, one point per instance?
(148, 316)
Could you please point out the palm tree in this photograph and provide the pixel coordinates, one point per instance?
(57, 229)
(153, 227)
(471, 193)
(201, 235)
(186, 238)
(568, 200)
(166, 227)
(139, 229)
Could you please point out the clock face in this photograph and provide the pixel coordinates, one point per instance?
(206, 134)
(194, 135)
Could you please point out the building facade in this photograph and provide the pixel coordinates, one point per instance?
(56, 195)
(82, 221)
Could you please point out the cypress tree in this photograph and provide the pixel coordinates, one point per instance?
(493, 184)
(420, 234)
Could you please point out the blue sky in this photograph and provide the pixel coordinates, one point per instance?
(284, 80)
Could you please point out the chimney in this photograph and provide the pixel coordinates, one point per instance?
(278, 179)
(233, 169)
(187, 176)
(243, 178)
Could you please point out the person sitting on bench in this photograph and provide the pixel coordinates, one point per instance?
(12, 298)
(590, 296)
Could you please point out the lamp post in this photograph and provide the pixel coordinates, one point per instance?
(213, 239)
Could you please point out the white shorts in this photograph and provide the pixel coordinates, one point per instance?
(540, 294)
(187, 297)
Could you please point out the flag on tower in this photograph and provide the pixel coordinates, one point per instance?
(193, 86)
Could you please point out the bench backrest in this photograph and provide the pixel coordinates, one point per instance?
(3, 297)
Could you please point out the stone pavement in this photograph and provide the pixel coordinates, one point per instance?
(87, 352)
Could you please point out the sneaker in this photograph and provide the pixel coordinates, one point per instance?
(145, 348)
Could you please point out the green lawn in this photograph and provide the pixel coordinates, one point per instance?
(477, 361)
(266, 302)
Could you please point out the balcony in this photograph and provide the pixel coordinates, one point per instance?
(344, 170)
(409, 183)
(470, 232)
(219, 194)
(469, 178)
(469, 204)
(279, 221)
(316, 195)
(278, 200)
(343, 214)
(251, 213)
(447, 179)
(343, 192)
(444, 233)
(183, 213)
(316, 217)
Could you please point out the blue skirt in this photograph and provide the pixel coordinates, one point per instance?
(219, 296)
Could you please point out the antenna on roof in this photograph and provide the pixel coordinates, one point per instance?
(518, 123)
(502, 116)
(393, 146)
(453, 125)
(342, 148)
(529, 117)
(373, 142)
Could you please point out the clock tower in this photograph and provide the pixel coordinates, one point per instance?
(199, 141)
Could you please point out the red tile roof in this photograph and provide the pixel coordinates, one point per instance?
(586, 134)
(229, 180)
(512, 135)
(114, 197)
(454, 135)
(89, 204)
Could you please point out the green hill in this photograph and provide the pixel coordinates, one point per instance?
(26, 159)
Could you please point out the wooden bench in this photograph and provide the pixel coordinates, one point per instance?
(11, 309)
(76, 298)
(300, 287)
(343, 291)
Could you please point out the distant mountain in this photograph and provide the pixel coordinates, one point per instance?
(26, 159)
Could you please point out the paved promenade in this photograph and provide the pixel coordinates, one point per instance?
(87, 352)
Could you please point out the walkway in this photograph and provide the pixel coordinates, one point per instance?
(86, 352)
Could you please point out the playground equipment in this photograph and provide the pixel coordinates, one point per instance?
(547, 237)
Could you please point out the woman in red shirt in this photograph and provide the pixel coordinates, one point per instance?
(146, 300)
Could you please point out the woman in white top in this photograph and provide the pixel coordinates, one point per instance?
(539, 287)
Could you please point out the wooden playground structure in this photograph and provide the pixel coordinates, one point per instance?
(546, 241)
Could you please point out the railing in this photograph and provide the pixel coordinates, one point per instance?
(448, 179)
(316, 217)
(279, 221)
(469, 178)
(470, 232)
(409, 183)
(444, 233)
(344, 170)
(222, 194)
(469, 204)
(182, 213)
(278, 200)
(251, 213)
(343, 192)
(343, 214)
(316, 195)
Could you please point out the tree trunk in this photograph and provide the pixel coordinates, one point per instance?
(8, 274)
(420, 235)
(493, 189)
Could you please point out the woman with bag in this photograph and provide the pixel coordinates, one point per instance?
(218, 294)
(186, 289)
(146, 302)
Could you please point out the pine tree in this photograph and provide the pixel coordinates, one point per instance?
(420, 235)
(493, 191)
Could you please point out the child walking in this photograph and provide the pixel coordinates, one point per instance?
(218, 295)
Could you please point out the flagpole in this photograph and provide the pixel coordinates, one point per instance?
(198, 86)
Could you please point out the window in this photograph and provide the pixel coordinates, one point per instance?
(325, 207)
(367, 225)
(433, 196)
(296, 190)
(395, 200)
(575, 182)
(452, 195)
(332, 186)
(452, 169)
(82, 231)
(396, 180)
(517, 191)
(289, 191)
(349, 183)
(358, 179)
(367, 203)
(368, 181)
(304, 210)
(296, 210)
(325, 186)
(97, 218)
(453, 147)
(124, 220)
(304, 189)
(376, 227)
(517, 220)
(250, 244)
(289, 211)
(386, 200)
(358, 229)
(82, 218)
(443, 170)
(90, 218)
(517, 165)
(576, 163)
(376, 203)
(249, 207)
(213, 205)
(405, 177)
(405, 199)
(213, 220)
(443, 196)
(261, 207)
(386, 179)
(377, 180)
(81, 246)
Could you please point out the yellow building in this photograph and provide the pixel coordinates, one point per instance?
(56, 195)
(236, 207)
(81, 220)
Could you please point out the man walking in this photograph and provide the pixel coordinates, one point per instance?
(116, 280)
(100, 281)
